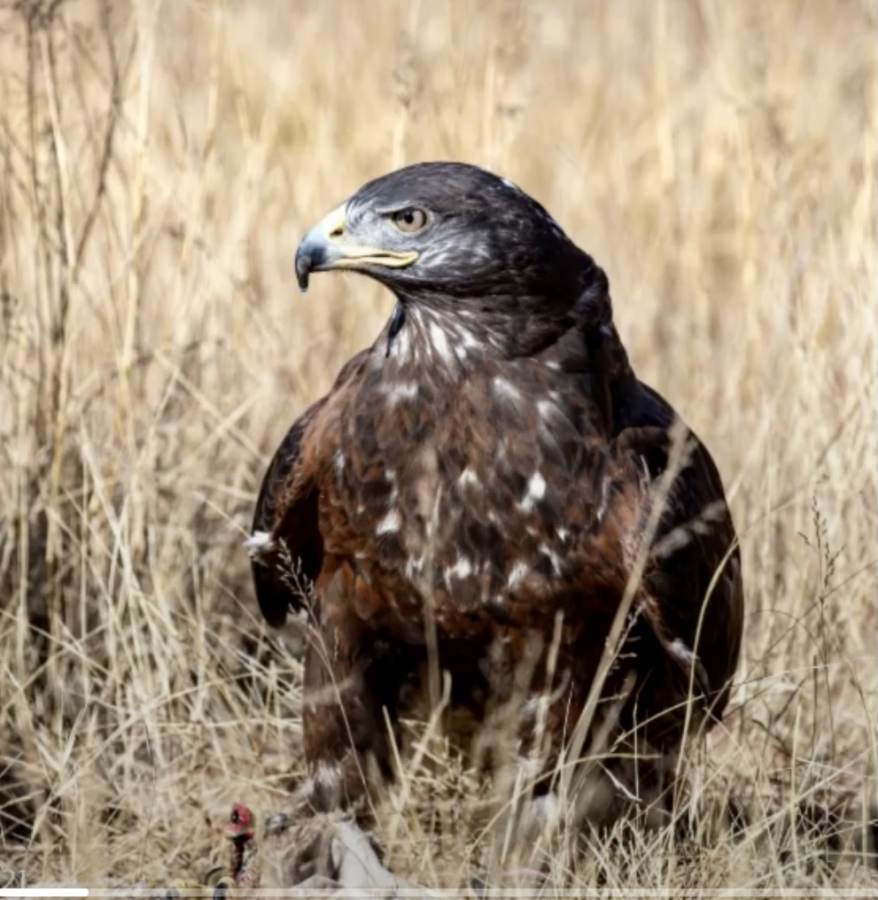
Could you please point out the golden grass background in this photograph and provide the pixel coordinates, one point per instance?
(160, 162)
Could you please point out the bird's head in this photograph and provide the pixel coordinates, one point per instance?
(444, 230)
(239, 827)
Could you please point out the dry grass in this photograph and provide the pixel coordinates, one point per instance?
(159, 163)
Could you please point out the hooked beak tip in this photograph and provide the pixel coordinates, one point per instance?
(317, 251)
(305, 263)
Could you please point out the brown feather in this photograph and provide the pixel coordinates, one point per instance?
(473, 476)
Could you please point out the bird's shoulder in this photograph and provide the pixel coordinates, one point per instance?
(286, 546)
(300, 454)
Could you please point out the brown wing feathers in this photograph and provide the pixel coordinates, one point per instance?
(286, 545)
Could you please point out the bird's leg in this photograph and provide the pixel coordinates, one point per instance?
(525, 783)
(327, 852)
(542, 805)
(347, 751)
(345, 687)
(346, 744)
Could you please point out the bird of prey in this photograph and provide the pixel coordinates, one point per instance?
(490, 485)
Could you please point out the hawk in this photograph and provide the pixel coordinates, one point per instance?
(491, 485)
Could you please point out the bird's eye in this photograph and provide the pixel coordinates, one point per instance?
(410, 219)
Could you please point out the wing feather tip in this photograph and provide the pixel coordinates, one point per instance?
(259, 544)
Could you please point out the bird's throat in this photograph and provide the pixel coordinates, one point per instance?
(449, 341)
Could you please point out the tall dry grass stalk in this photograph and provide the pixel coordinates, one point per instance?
(159, 163)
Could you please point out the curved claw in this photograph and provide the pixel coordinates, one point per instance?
(356, 862)
(326, 853)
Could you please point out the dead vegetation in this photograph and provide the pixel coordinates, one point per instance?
(159, 161)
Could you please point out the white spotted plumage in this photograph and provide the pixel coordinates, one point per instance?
(389, 523)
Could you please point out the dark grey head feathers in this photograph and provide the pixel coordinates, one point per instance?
(450, 233)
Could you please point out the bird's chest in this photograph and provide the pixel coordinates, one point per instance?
(475, 494)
